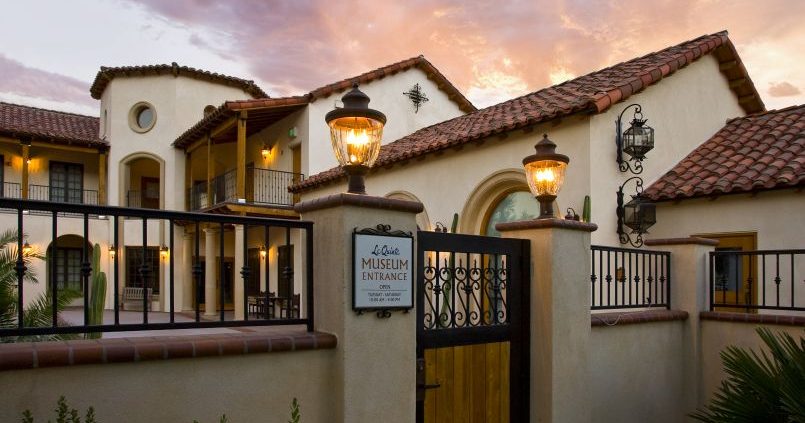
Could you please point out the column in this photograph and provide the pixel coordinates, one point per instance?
(210, 171)
(26, 157)
(240, 173)
(210, 273)
(240, 291)
(375, 358)
(102, 178)
(689, 292)
(187, 271)
(560, 317)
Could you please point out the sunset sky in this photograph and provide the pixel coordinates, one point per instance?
(491, 50)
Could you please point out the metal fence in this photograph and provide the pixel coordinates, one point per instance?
(263, 186)
(629, 278)
(292, 307)
(62, 195)
(757, 280)
(11, 190)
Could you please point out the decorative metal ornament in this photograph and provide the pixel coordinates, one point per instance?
(638, 215)
(416, 96)
(635, 141)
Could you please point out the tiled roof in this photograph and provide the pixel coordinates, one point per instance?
(211, 121)
(592, 93)
(106, 74)
(759, 152)
(18, 121)
(419, 62)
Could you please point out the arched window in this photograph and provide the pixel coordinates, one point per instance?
(516, 205)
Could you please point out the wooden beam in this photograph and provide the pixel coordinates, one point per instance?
(265, 211)
(42, 144)
(102, 179)
(240, 181)
(26, 156)
(196, 145)
(224, 126)
(188, 179)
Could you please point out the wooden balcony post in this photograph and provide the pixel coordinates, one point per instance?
(102, 178)
(26, 156)
(210, 171)
(240, 184)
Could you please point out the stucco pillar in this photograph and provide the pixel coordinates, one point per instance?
(689, 292)
(237, 276)
(210, 259)
(375, 358)
(187, 272)
(560, 317)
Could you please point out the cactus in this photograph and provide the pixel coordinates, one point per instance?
(97, 298)
(585, 213)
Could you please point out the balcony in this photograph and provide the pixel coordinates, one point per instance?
(264, 187)
(55, 194)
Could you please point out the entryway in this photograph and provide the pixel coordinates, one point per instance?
(472, 329)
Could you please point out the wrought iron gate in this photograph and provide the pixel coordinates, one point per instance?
(473, 290)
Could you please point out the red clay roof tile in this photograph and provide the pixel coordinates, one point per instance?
(758, 152)
(591, 93)
(17, 121)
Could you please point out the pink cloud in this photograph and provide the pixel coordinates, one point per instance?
(24, 81)
(783, 89)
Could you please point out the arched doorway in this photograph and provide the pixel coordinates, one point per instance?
(142, 181)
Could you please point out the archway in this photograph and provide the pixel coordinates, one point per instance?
(142, 179)
(422, 219)
(65, 259)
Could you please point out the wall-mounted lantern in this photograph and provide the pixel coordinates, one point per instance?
(27, 249)
(635, 141)
(638, 214)
(164, 251)
(112, 251)
(545, 173)
(265, 151)
(263, 252)
(356, 132)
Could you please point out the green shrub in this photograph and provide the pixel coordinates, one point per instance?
(64, 414)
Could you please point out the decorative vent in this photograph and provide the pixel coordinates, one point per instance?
(416, 96)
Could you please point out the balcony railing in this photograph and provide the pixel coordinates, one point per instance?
(263, 187)
(62, 195)
(628, 278)
(11, 190)
(293, 307)
(757, 280)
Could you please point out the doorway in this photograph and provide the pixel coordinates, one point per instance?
(734, 276)
(228, 285)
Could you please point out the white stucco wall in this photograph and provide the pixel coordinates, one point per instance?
(386, 96)
(685, 110)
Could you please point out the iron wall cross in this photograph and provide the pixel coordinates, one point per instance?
(417, 96)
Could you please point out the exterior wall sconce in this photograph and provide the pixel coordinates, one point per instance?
(545, 173)
(263, 252)
(265, 151)
(638, 214)
(356, 132)
(112, 252)
(163, 251)
(27, 249)
(635, 141)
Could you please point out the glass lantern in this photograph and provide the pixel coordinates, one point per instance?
(639, 215)
(545, 174)
(639, 138)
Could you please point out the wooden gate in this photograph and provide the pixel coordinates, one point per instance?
(472, 329)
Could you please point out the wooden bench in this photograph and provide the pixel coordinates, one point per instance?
(133, 298)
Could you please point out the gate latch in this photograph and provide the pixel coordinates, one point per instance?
(421, 386)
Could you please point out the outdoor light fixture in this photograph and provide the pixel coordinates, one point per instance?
(263, 251)
(356, 132)
(163, 251)
(638, 214)
(265, 151)
(112, 251)
(636, 141)
(26, 248)
(545, 172)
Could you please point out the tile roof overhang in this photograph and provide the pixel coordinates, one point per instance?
(31, 123)
(589, 94)
(278, 107)
(759, 152)
(106, 74)
(260, 112)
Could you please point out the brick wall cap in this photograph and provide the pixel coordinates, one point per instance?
(359, 200)
(751, 318)
(633, 317)
(682, 241)
(546, 223)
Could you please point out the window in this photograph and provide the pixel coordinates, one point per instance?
(285, 259)
(518, 205)
(135, 259)
(68, 268)
(142, 117)
(66, 182)
(253, 284)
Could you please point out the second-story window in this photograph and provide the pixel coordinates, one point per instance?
(66, 182)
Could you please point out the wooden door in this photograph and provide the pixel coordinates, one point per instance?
(735, 276)
(473, 384)
(296, 168)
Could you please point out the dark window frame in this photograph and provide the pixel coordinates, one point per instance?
(134, 260)
(52, 188)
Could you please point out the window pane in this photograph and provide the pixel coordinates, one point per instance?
(519, 205)
(134, 261)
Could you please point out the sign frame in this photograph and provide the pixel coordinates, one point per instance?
(385, 231)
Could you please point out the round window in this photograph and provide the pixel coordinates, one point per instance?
(142, 117)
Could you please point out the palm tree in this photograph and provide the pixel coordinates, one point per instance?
(39, 312)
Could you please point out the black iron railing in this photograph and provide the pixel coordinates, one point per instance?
(263, 187)
(11, 190)
(757, 280)
(629, 278)
(182, 230)
(62, 195)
